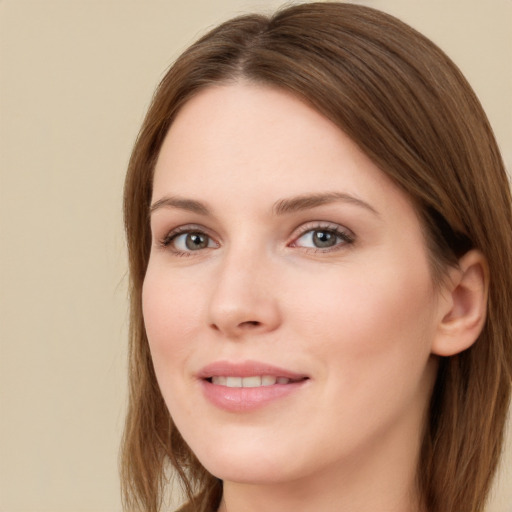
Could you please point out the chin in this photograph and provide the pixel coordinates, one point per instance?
(248, 471)
(245, 461)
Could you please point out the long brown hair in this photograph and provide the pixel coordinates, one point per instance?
(408, 107)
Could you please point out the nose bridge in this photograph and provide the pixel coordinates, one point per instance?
(242, 299)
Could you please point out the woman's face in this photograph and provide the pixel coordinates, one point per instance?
(288, 300)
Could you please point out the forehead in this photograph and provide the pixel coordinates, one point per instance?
(246, 142)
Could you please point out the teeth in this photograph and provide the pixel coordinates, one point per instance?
(234, 382)
(249, 382)
(268, 380)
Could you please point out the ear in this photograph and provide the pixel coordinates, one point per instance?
(463, 305)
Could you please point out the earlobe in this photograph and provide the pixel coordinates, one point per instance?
(465, 310)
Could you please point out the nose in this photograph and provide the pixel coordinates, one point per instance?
(244, 299)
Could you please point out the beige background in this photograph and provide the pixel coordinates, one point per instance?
(75, 79)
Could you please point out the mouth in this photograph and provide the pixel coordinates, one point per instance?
(253, 381)
(246, 386)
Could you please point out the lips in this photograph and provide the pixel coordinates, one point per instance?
(247, 369)
(247, 386)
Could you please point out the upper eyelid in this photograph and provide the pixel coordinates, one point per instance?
(187, 228)
(317, 225)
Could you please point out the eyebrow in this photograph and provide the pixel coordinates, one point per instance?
(281, 207)
(181, 203)
(307, 201)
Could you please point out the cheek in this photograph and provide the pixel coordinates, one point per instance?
(369, 322)
(171, 317)
(370, 334)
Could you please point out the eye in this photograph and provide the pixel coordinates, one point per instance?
(323, 238)
(183, 242)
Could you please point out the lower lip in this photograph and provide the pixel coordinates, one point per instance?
(247, 399)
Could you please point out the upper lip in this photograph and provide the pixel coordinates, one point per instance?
(246, 369)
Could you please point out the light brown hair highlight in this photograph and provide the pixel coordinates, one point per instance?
(407, 106)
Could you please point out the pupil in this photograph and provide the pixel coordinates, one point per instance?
(196, 241)
(324, 239)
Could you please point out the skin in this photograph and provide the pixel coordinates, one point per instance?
(359, 318)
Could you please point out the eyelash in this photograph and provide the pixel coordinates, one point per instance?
(345, 236)
(168, 240)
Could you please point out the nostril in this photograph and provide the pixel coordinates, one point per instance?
(250, 323)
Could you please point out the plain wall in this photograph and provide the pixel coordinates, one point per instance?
(75, 80)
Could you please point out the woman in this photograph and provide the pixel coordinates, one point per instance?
(319, 229)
